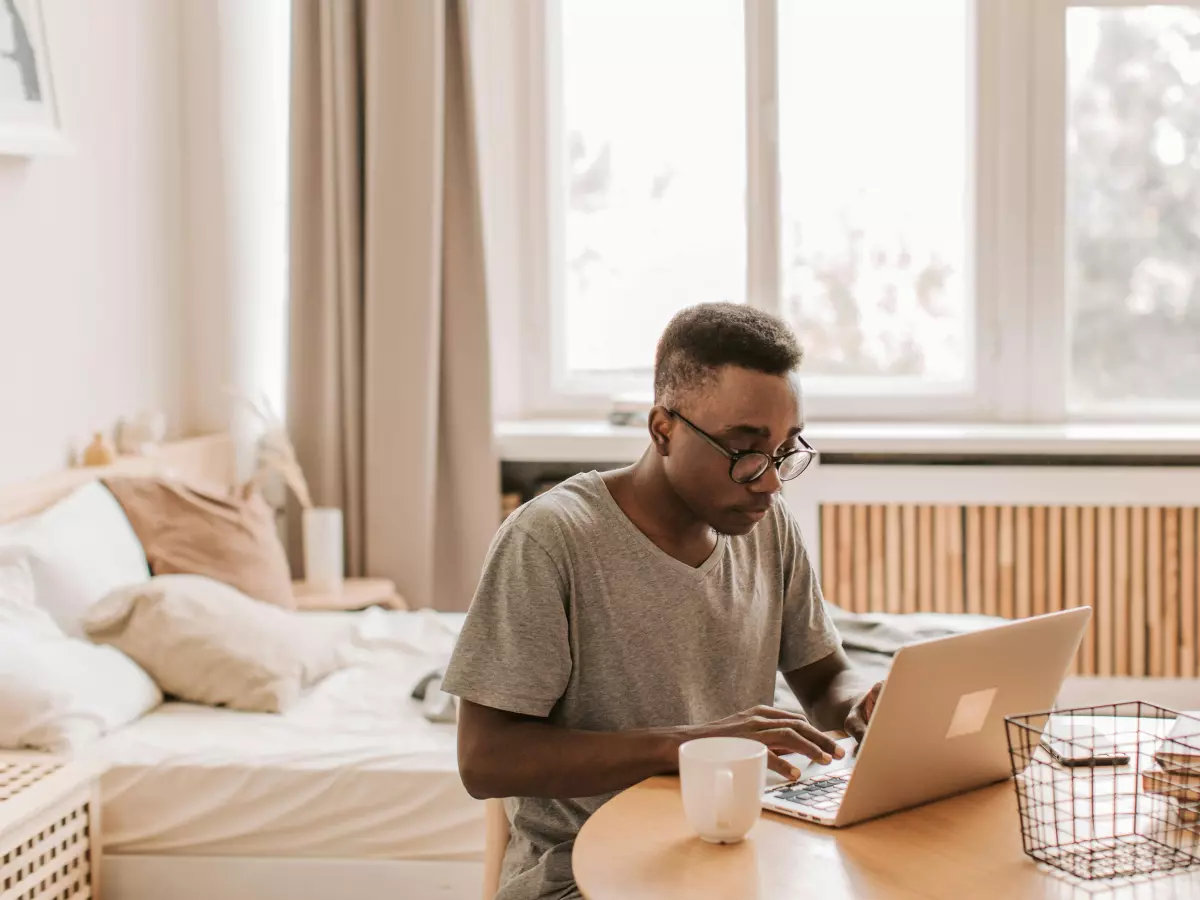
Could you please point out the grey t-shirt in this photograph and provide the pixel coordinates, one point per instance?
(582, 619)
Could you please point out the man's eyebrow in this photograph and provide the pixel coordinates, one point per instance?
(749, 430)
(757, 431)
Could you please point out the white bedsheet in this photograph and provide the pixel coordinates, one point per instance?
(353, 771)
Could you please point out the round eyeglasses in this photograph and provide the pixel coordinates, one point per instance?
(746, 466)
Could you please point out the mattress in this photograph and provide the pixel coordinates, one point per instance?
(354, 770)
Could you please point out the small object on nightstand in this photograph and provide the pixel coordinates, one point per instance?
(355, 593)
(509, 502)
(49, 810)
(140, 435)
(323, 562)
(99, 452)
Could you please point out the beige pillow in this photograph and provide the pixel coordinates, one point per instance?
(186, 530)
(205, 642)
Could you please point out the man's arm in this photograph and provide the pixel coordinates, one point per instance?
(811, 657)
(503, 754)
(835, 695)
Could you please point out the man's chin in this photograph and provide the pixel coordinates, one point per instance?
(736, 522)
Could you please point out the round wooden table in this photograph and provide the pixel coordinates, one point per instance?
(639, 846)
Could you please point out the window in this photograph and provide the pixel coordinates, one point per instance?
(1133, 204)
(655, 203)
(873, 186)
(969, 209)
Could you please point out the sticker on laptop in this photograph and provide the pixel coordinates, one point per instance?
(971, 713)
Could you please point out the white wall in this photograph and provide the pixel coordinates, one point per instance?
(90, 243)
(235, 93)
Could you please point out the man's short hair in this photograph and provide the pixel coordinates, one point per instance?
(700, 340)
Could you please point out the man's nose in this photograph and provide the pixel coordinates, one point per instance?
(768, 482)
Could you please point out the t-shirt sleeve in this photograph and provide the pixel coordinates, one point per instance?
(808, 634)
(514, 653)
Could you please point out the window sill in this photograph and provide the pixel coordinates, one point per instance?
(597, 441)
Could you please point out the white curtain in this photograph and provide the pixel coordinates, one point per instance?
(389, 388)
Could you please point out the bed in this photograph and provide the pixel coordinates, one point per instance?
(352, 792)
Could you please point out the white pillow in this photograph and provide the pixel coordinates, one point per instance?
(206, 642)
(18, 611)
(79, 550)
(58, 694)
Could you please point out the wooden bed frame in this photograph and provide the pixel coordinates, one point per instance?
(211, 460)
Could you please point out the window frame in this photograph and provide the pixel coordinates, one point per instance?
(1017, 326)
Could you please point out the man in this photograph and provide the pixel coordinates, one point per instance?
(621, 614)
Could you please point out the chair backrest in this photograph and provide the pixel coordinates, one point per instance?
(494, 844)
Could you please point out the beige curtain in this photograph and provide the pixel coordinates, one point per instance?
(389, 397)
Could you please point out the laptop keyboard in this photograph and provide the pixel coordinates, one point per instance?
(823, 792)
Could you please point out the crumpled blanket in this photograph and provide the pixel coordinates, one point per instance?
(872, 639)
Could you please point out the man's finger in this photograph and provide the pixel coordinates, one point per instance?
(777, 713)
(781, 766)
(855, 727)
(871, 699)
(771, 712)
(789, 741)
(809, 733)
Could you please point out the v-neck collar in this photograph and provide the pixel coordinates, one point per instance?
(652, 548)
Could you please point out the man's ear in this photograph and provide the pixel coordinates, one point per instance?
(660, 424)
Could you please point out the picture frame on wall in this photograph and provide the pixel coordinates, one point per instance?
(30, 119)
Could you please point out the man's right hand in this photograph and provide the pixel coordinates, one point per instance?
(782, 732)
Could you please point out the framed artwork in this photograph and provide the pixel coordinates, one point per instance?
(29, 112)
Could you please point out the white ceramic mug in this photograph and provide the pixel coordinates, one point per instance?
(723, 780)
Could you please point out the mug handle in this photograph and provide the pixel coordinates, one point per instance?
(724, 795)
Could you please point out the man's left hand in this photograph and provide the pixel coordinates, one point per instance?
(860, 714)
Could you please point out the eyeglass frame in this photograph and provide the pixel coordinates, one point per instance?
(736, 456)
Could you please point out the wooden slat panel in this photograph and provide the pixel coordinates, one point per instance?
(1005, 562)
(893, 541)
(954, 525)
(1154, 571)
(1137, 591)
(1104, 591)
(991, 569)
(925, 558)
(861, 596)
(1171, 592)
(1138, 568)
(1120, 625)
(876, 558)
(1187, 594)
(941, 561)
(1071, 576)
(1039, 541)
(974, 558)
(1087, 583)
(829, 555)
(1022, 574)
(911, 538)
(1054, 559)
(845, 557)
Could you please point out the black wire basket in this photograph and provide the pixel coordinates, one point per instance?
(1108, 791)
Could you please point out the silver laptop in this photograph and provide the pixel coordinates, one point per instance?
(938, 726)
